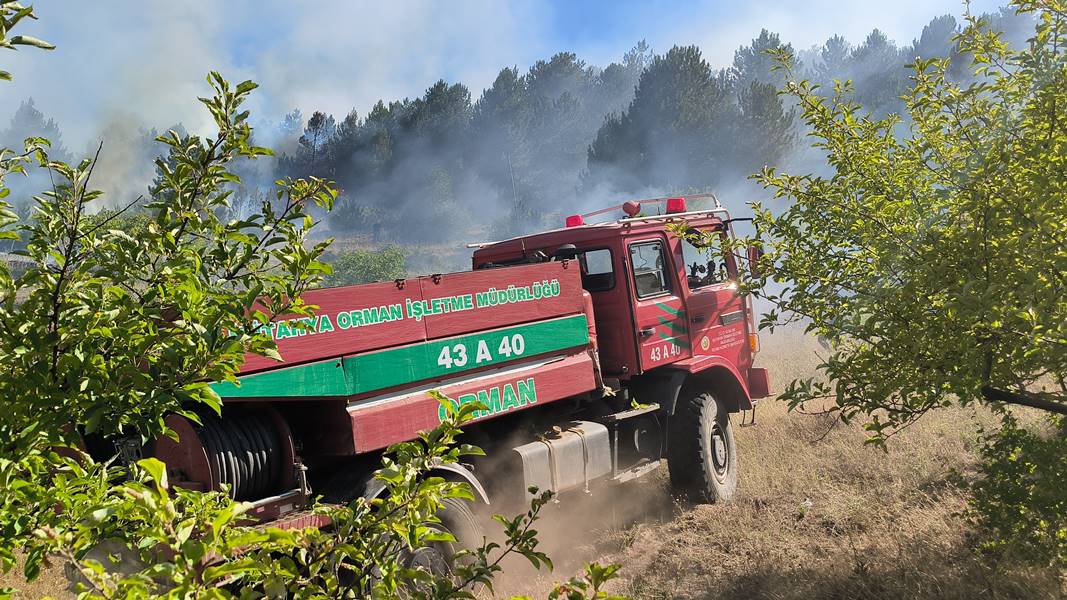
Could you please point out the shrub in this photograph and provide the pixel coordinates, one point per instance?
(365, 266)
(932, 256)
(1021, 501)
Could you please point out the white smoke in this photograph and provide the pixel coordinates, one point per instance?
(124, 67)
(149, 57)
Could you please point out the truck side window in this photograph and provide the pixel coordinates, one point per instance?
(704, 265)
(648, 264)
(598, 275)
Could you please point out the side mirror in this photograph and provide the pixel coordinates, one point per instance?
(755, 252)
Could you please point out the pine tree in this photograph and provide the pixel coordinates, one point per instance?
(319, 129)
(29, 122)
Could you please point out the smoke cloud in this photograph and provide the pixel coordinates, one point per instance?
(149, 57)
(124, 70)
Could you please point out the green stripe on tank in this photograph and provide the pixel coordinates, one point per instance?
(368, 372)
(363, 373)
(326, 378)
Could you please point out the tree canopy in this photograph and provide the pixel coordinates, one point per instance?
(934, 254)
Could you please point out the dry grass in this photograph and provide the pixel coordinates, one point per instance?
(817, 517)
(52, 583)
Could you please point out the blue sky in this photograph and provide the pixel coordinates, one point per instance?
(144, 61)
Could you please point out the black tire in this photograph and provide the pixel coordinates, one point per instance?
(458, 519)
(701, 452)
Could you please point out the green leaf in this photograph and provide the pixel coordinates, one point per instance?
(156, 470)
(271, 352)
(25, 40)
(92, 421)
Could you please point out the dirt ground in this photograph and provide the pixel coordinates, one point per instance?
(818, 516)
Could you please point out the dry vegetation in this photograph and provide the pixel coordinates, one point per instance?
(51, 583)
(818, 516)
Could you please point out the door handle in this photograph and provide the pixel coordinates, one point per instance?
(647, 332)
(699, 318)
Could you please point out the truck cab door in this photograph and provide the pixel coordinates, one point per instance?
(659, 313)
(715, 309)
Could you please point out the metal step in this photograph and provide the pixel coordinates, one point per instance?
(629, 414)
(638, 471)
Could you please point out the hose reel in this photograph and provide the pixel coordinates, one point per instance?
(249, 450)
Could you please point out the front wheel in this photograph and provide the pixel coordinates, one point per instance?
(701, 453)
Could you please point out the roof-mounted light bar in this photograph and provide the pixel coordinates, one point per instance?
(633, 208)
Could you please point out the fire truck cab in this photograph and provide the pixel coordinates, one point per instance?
(671, 329)
(662, 306)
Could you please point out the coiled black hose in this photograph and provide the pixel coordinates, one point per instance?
(243, 451)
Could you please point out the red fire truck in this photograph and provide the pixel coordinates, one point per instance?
(601, 351)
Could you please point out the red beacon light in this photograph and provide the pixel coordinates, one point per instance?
(575, 221)
(675, 205)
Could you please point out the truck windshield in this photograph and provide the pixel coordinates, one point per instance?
(704, 265)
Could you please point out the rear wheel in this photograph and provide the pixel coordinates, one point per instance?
(456, 516)
(458, 519)
(701, 453)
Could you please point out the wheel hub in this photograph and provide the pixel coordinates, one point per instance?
(431, 558)
(719, 451)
